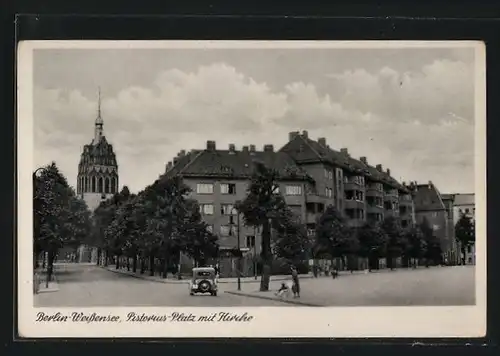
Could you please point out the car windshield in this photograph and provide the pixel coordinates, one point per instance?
(203, 274)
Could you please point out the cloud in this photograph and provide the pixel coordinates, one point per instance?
(419, 124)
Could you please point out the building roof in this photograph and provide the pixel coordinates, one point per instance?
(234, 164)
(464, 199)
(427, 198)
(305, 150)
(95, 155)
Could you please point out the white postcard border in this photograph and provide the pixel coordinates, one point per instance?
(448, 321)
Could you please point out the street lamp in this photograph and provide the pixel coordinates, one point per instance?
(231, 224)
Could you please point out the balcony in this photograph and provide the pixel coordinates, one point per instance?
(354, 204)
(372, 192)
(374, 209)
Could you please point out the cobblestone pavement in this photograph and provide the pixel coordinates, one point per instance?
(436, 286)
(92, 286)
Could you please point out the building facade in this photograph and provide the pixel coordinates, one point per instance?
(313, 176)
(464, 204)
(97, 178)
(219, 179)
(437, 209)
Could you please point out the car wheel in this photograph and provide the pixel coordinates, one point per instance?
(191, 293)
(214, 294)
(204, 286)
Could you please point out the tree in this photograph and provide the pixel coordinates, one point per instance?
(396, 243)
(291, 242)
(416, 243)
(372, 243)
(333, 236)
(263, 207)
(199, 243)
(465, 233)
(432, 244)
(60, 217)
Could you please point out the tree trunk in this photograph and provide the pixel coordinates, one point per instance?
(134, 264)
(128, 262)
(164, 267)
(143, 265)
(117, 261)
(463, 249)
(266, 256)
(50, 267)
(151, 265)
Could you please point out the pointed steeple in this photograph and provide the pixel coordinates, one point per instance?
(98, 121)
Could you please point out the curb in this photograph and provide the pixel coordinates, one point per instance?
(48, 290)
(167, 281)
(274, 299)
(138, 276)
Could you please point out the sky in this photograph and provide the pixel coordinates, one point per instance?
(409, 109)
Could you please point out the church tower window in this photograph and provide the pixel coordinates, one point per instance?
(113, 185)
(106, 185)
(93, 190)
(100, 187)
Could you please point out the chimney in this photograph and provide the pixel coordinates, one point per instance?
(379, 167)
(175, 160)
(252, 149)
(388, 171)
(211, 145)
(232, 148)
(268, 148)
(304, 134)
(404, 184)
(181, 153)
(363, 159)
(169, 166)
(430, 184)
(292, 135)
(244, 148)
(322, 141)
(344, 151)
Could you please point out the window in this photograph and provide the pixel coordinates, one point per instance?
(250, 241)
(207, 209)
(359, 196)
(467, 210)
(346, 179)
(435, 227)
(204, 188)
(330, 175)
(469, 249)
(228, 230)
(293, 190)
(328, 192)
(227, 209)
(434, 214)
(311, 232)
(362, 181)
(228, 188)
(210, 228)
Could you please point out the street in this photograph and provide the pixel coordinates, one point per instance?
(88, 285)
(92, 286)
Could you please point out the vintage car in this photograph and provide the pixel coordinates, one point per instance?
(204, 280)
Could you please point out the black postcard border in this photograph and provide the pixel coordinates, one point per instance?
(210, 22)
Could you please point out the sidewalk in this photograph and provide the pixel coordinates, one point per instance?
(40, 279)
(174, 280)
(341, 291)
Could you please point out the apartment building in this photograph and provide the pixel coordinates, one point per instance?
(219, 178)
(360, 191)
(313, 176)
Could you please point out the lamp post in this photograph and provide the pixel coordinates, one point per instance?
(231, 223)
(255, 253)
(35, 209)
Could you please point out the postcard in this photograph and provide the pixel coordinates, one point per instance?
(251, 189)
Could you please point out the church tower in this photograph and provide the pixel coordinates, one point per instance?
(97, 171)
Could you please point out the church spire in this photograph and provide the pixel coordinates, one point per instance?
(98, 121)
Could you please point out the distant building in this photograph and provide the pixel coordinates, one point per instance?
(438, 210)
(464, 204)
(97, 176)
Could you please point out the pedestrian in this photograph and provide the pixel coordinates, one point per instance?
(296, 284)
